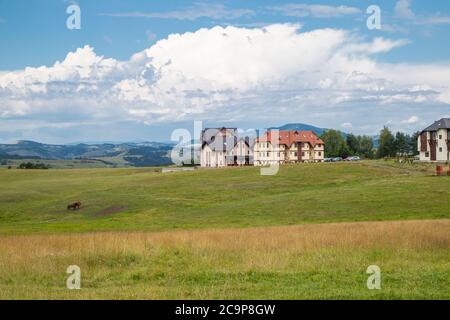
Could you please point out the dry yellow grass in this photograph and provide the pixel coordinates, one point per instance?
(330, 259)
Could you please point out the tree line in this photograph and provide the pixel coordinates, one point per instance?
(338, 144)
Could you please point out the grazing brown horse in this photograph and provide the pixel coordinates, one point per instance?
(74, 206)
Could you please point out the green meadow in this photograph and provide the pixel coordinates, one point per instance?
(35, 201)
(308, 232)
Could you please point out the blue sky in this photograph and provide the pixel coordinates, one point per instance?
(304, 61)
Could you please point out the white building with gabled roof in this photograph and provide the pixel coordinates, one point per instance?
(222, 147)
(433, 142)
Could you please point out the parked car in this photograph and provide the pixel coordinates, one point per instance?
(328, 160)
(336, 159)
(354, 158)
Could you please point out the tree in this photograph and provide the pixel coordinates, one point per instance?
(353, 144)
(387, 144)
(401, 143)
(366, 147)
(413, 143)
(335, 144)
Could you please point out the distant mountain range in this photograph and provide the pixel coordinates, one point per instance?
(121, 154)
(137, 154)
(300, 127)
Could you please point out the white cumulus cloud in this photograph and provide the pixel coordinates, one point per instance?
(231, 73)
(411, 120)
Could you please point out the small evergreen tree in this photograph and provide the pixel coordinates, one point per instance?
(366, 147)
(401, 144)
(353, 144)
(387, 144)
(412, 143)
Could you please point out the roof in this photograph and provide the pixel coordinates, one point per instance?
(226, 141)
(444, 123)
(289, 137)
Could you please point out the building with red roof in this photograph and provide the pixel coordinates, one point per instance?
(288, 147)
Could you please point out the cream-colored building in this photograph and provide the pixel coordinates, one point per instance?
(434, 141)
(288, 147)
(221, 147)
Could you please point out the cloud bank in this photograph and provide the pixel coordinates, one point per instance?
(276, 73)
(315, 10)
(196, 11)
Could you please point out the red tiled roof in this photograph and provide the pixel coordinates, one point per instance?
(289, 137)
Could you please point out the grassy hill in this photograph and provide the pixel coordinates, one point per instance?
(226, 233)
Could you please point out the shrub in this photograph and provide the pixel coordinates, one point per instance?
(30, 165)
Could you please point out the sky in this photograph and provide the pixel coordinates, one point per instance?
(137, 70)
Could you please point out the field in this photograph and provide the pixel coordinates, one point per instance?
(34, 201)
(227, 233)
(296, 262)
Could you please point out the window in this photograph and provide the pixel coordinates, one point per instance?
(440, 137)
(440, 149)
(320, 153)
(427, 154)
(295, 154)
(303, 154)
